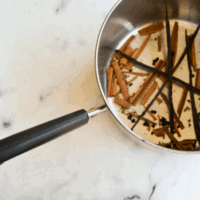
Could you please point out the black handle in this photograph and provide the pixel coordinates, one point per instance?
(36, 136)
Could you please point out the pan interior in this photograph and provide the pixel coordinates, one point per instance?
(126, 19)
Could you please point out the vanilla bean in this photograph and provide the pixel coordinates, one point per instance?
(186, 50)
(194, 110)
(175, 115)
(169, 72)
(196, 90)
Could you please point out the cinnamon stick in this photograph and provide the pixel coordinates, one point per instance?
(120, 79)
(198, 79)
(152, 115)
(159, 132)
(151, 29)
(128, 52)
(142, 118)
(131, 80)
(174, 42)
(144, 87)
(122, 102)
(130, 64)
(159, 100)
(109, 80)
(159, 43)
(176, 129)
(149, 127)
(149, 93)
(171, 137)
(182, 101)
(187, 108)
(174, 113)
(136, 73)
(123, 47)
(140, 50)
(114, 89)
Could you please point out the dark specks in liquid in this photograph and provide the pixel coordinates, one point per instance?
(188, 101)
(152, 133)
(189, 125)
(133, 120)
(130, 116)
(192, 75)
(155, 61)
(178, 126)
(153, 111)
(153, 126)
(155, 39)
(130, 84)
(164, 122)
(168, 146)
(146, 123)
(172, 53)
(6, 124)
(130, 70)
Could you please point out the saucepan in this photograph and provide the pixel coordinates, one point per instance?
(124, 18)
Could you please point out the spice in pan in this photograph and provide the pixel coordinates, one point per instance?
(176, 129)
(159, 132)
(198, 79)
(159, 100)
(123, 47)
(149, 80)
(174, 43)
(174, 113)
(155, 60)
(140, 50)
(171, 113)
(149, 127)
(182, 101)
(127, 51)
(153, 111)
(159, 43)
(131, 80)
(152, 115)
(129, 63)
(136, 73)
(187, 108)
(114, 89)
(143, 118)
(122, 102)
(149, 93)
(109, 80)
(159, 122)
(151, 29)
(120, 80)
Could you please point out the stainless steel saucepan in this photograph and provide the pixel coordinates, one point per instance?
(124, 18)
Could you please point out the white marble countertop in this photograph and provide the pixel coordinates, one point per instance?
(47, 70)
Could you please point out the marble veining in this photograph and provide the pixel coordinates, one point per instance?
(47, 70)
